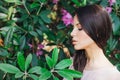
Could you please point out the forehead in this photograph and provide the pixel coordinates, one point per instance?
(75, 20)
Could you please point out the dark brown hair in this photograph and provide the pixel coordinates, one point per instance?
(96, 22)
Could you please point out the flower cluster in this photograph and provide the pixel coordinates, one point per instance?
(111, 2)
(67, 17)
(55, 1)
(39, 49)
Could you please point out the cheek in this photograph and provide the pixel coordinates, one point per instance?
(84, 41)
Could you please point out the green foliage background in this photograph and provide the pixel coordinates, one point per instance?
(35, 22)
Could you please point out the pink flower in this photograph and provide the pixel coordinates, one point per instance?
(111, 2)
(109, 9)
(66, 18)
(39, 49)
(40, 46)
(55, 1)
(30, 45)
(39, 52)
(64, 12)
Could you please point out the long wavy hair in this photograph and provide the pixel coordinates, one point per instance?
(96, 22)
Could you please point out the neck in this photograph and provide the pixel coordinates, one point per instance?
(96, 58)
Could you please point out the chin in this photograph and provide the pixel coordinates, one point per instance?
(77, 48)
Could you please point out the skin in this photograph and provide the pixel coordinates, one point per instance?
(80, 40)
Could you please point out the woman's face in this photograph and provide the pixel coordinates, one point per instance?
(80, 39)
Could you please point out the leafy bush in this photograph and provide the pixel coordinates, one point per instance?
(31, 29)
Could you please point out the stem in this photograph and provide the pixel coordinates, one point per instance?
(40, 8)
(25, 75)
(26, 7)
(21, 29)
(53, 70)
(4, 76)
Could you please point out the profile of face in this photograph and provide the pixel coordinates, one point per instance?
(91, 26)
(80, 38)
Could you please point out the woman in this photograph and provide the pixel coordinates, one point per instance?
(92, 28)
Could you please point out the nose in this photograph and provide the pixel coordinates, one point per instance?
(73, 33)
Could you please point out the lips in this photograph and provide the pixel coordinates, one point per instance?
(74, 42)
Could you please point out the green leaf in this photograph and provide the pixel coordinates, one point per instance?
(14, 1)
(39, 32)
(34, 76)
(45, 75)
(61, 26)
(117, 56)
(3, 9)
(34, 5)
(22, 42)
(8, 36)
(73, 73)
(116, 24)
(3, 52)
(63, 64)
(9, 68)
(21, 60)
(35, 69)
(35, 60)
(28, 61)
(43, 1)
(112, 43)
(84, 2)
(49, 61)
(64, 75)
(55, 56)
(3, 16)
(44, 16)
(104, 3)
(33, 33)
(76, 2)
(19, 74)
(11, 9)
(55, 78)
(5, 28)
(61, 36)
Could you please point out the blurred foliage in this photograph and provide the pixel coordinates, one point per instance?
(33, 28)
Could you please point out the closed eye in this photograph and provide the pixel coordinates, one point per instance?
(78, 25)
(80, 29)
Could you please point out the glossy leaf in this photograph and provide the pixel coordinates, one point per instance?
(64, 75)
(19, 74)
(117, 56)
(33, 33)
(22, 42)
(55, 56)
(9, 68)
(3, 52)
(63, 64)
(3, 16)
(61, 26)
(28, 61)
(49, 61)
(34, 5)
(73, 73)
(18, 2)
(11, 9)
(44, 16)
(21, 60)
(45, 75)
(36, 70)
(34, 77)
(9, 36)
